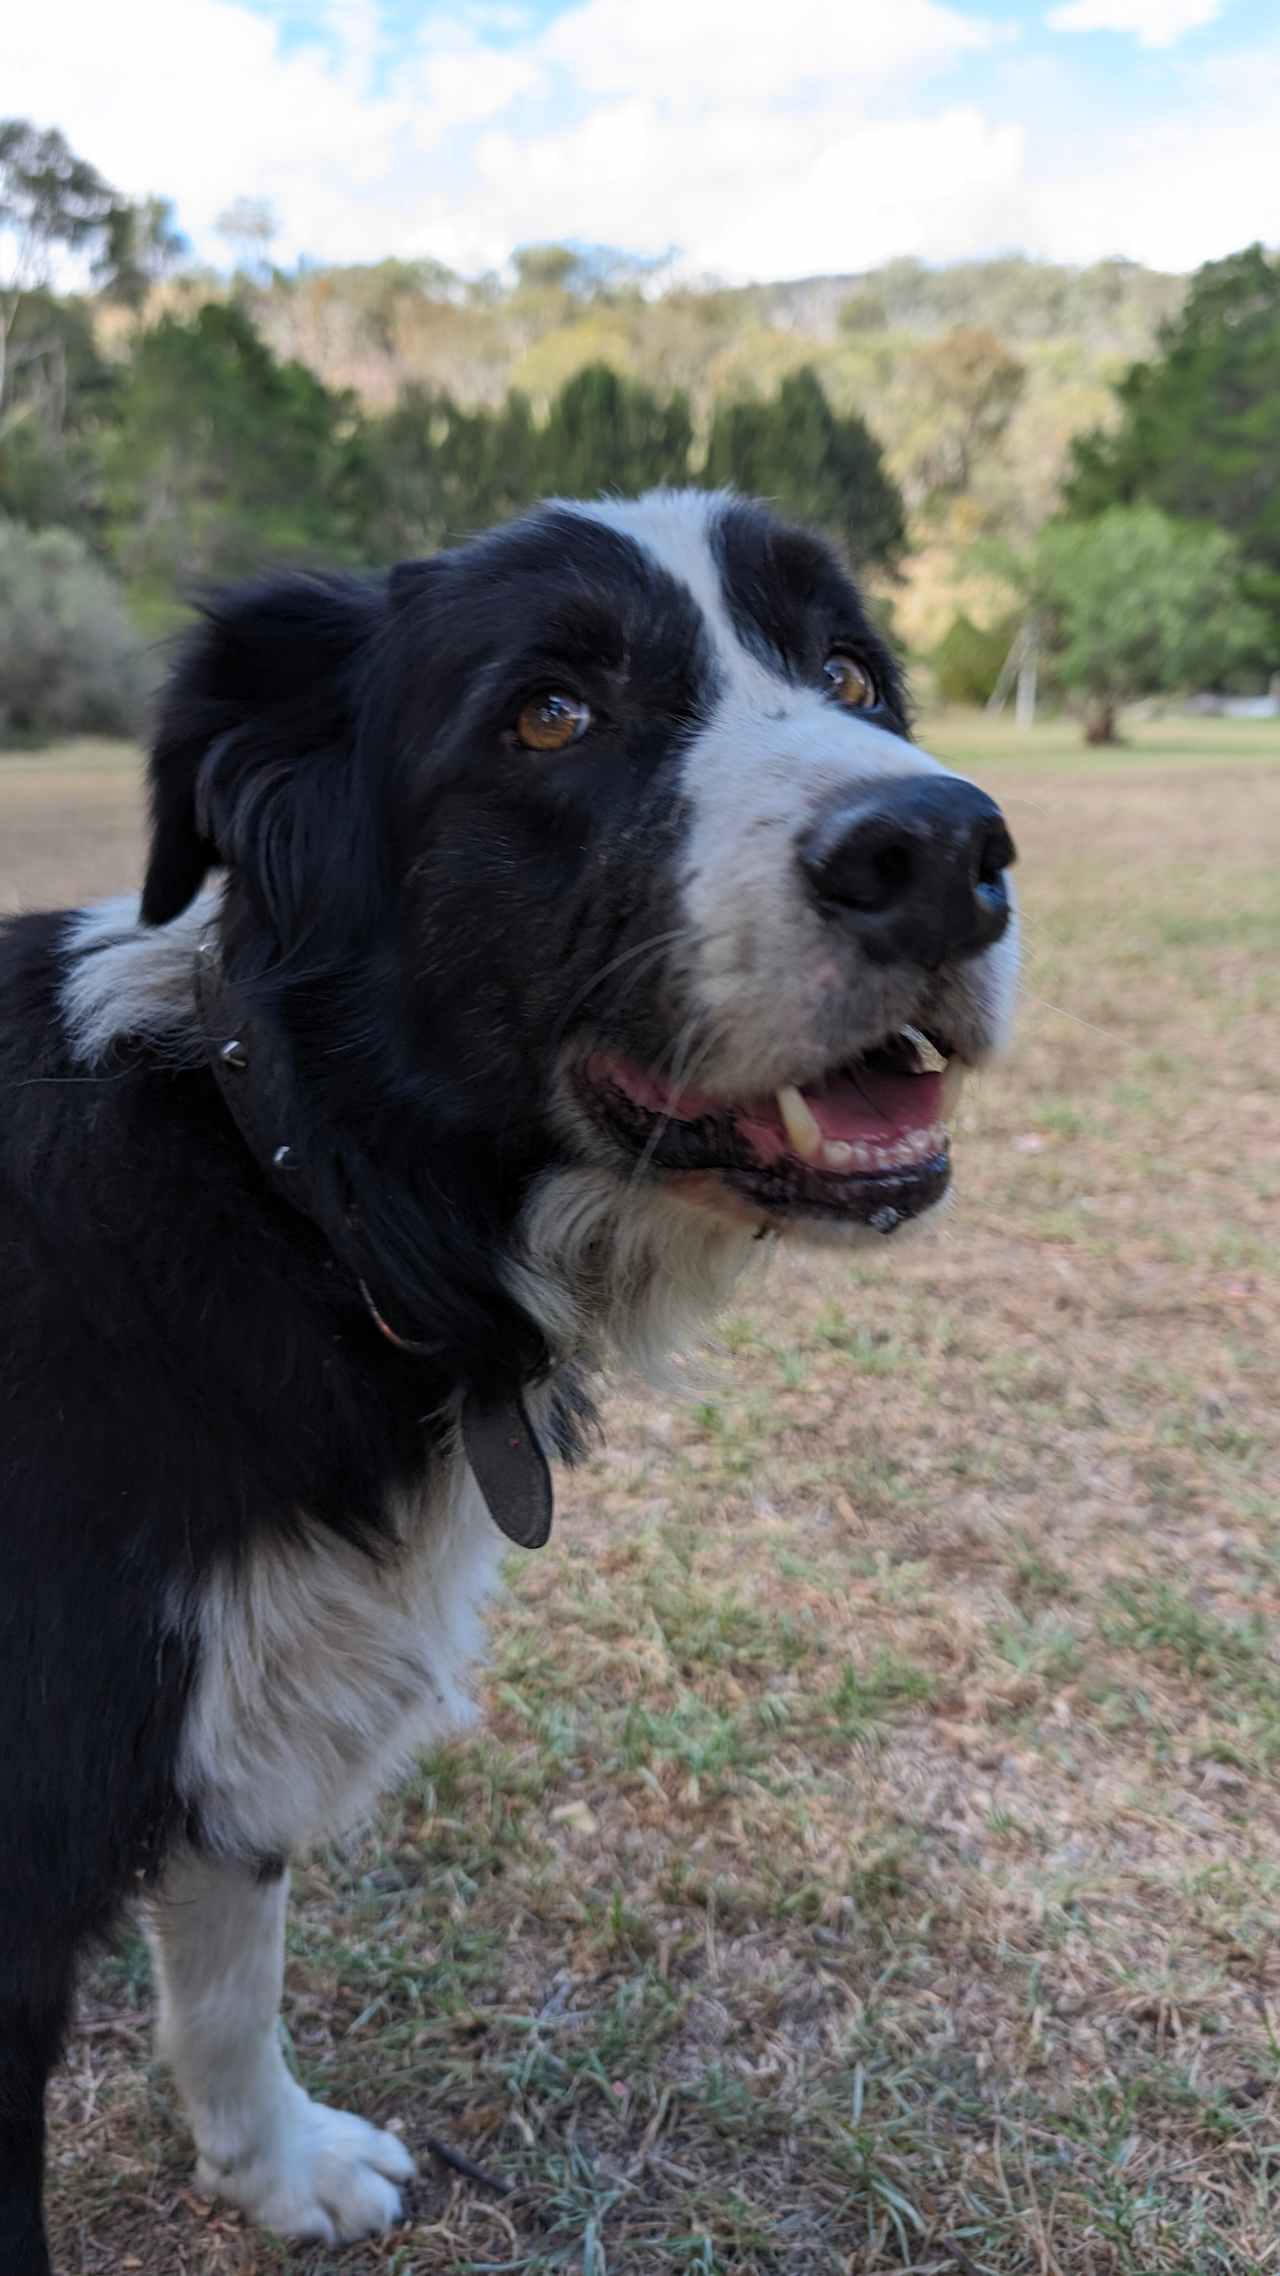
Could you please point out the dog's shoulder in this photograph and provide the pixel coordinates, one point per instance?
(169, 1323)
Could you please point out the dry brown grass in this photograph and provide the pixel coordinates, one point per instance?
(871, 1858)
(70, 824)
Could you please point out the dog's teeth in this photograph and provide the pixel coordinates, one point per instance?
(931, 1059)
(801, 1126)
(865, 1156)
(952, 1085)
(837, 1154)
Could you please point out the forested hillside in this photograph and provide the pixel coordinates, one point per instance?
(973, 378)
(172, 426)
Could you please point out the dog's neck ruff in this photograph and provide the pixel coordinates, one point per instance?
(257, 1088)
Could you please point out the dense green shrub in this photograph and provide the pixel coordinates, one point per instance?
(814, 466)
(967, 660)
(1137, 603)
(70, 660)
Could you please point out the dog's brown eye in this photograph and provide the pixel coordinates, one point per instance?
(551, 722)
(850, 685)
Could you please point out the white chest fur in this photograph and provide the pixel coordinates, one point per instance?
(321, 1670)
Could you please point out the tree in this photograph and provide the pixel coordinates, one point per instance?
(250, 228)
(968, 659)
(587, 272)
(864, 311)
(61, 394)
(969, 387)
(432, 472)
(1199, 431)
(545, 268)
(824, 470)
(70, 661)
(605, 432)
(223, 456)
(142, 245)
(1135, 603)
(49, 198)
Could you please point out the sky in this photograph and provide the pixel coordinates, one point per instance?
(752, 140)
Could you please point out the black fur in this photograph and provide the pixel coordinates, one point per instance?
(419, 910)
(791, 603)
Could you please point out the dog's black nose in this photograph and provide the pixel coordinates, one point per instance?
(914, 868)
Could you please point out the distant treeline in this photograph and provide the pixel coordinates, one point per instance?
(958, 433)
(204, 454)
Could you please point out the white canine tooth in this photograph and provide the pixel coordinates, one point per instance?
(801, 1126)
(837, 1154)
(952, 1085)
(930, 1057)
(864, 1156)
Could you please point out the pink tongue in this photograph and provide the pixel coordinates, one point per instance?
(873, 1109)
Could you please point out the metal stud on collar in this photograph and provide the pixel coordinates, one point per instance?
(282, 1159)
(233, 1054)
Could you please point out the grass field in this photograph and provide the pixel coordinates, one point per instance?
(871, 1860)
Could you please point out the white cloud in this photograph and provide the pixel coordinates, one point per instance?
(761, 141)
(1153, 23)
(708, 55)
(1195, 184)
(763, 195)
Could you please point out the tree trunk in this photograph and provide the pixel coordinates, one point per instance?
(1024, 707)
(8, 318)
(1100, 720)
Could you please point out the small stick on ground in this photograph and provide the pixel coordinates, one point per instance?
(463, 2165)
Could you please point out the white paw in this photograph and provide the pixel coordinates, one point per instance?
(328, 2174)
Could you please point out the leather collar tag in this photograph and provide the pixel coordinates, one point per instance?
(510, 1469)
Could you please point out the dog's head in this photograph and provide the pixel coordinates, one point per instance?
(595, 854)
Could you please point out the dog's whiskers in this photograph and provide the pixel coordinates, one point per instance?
(656, 942)
(1112, 1034)
(681, 1078)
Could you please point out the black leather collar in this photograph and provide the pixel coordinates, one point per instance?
(257, 1087)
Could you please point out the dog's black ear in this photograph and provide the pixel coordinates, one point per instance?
(268, 681)
(411, 580)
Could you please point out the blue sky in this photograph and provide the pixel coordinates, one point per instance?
(760, 140)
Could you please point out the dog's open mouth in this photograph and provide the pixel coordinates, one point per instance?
(867, 1143)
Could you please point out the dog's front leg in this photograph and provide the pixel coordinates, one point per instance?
(290, 2163)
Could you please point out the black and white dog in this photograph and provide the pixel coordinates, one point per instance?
(584, 912)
